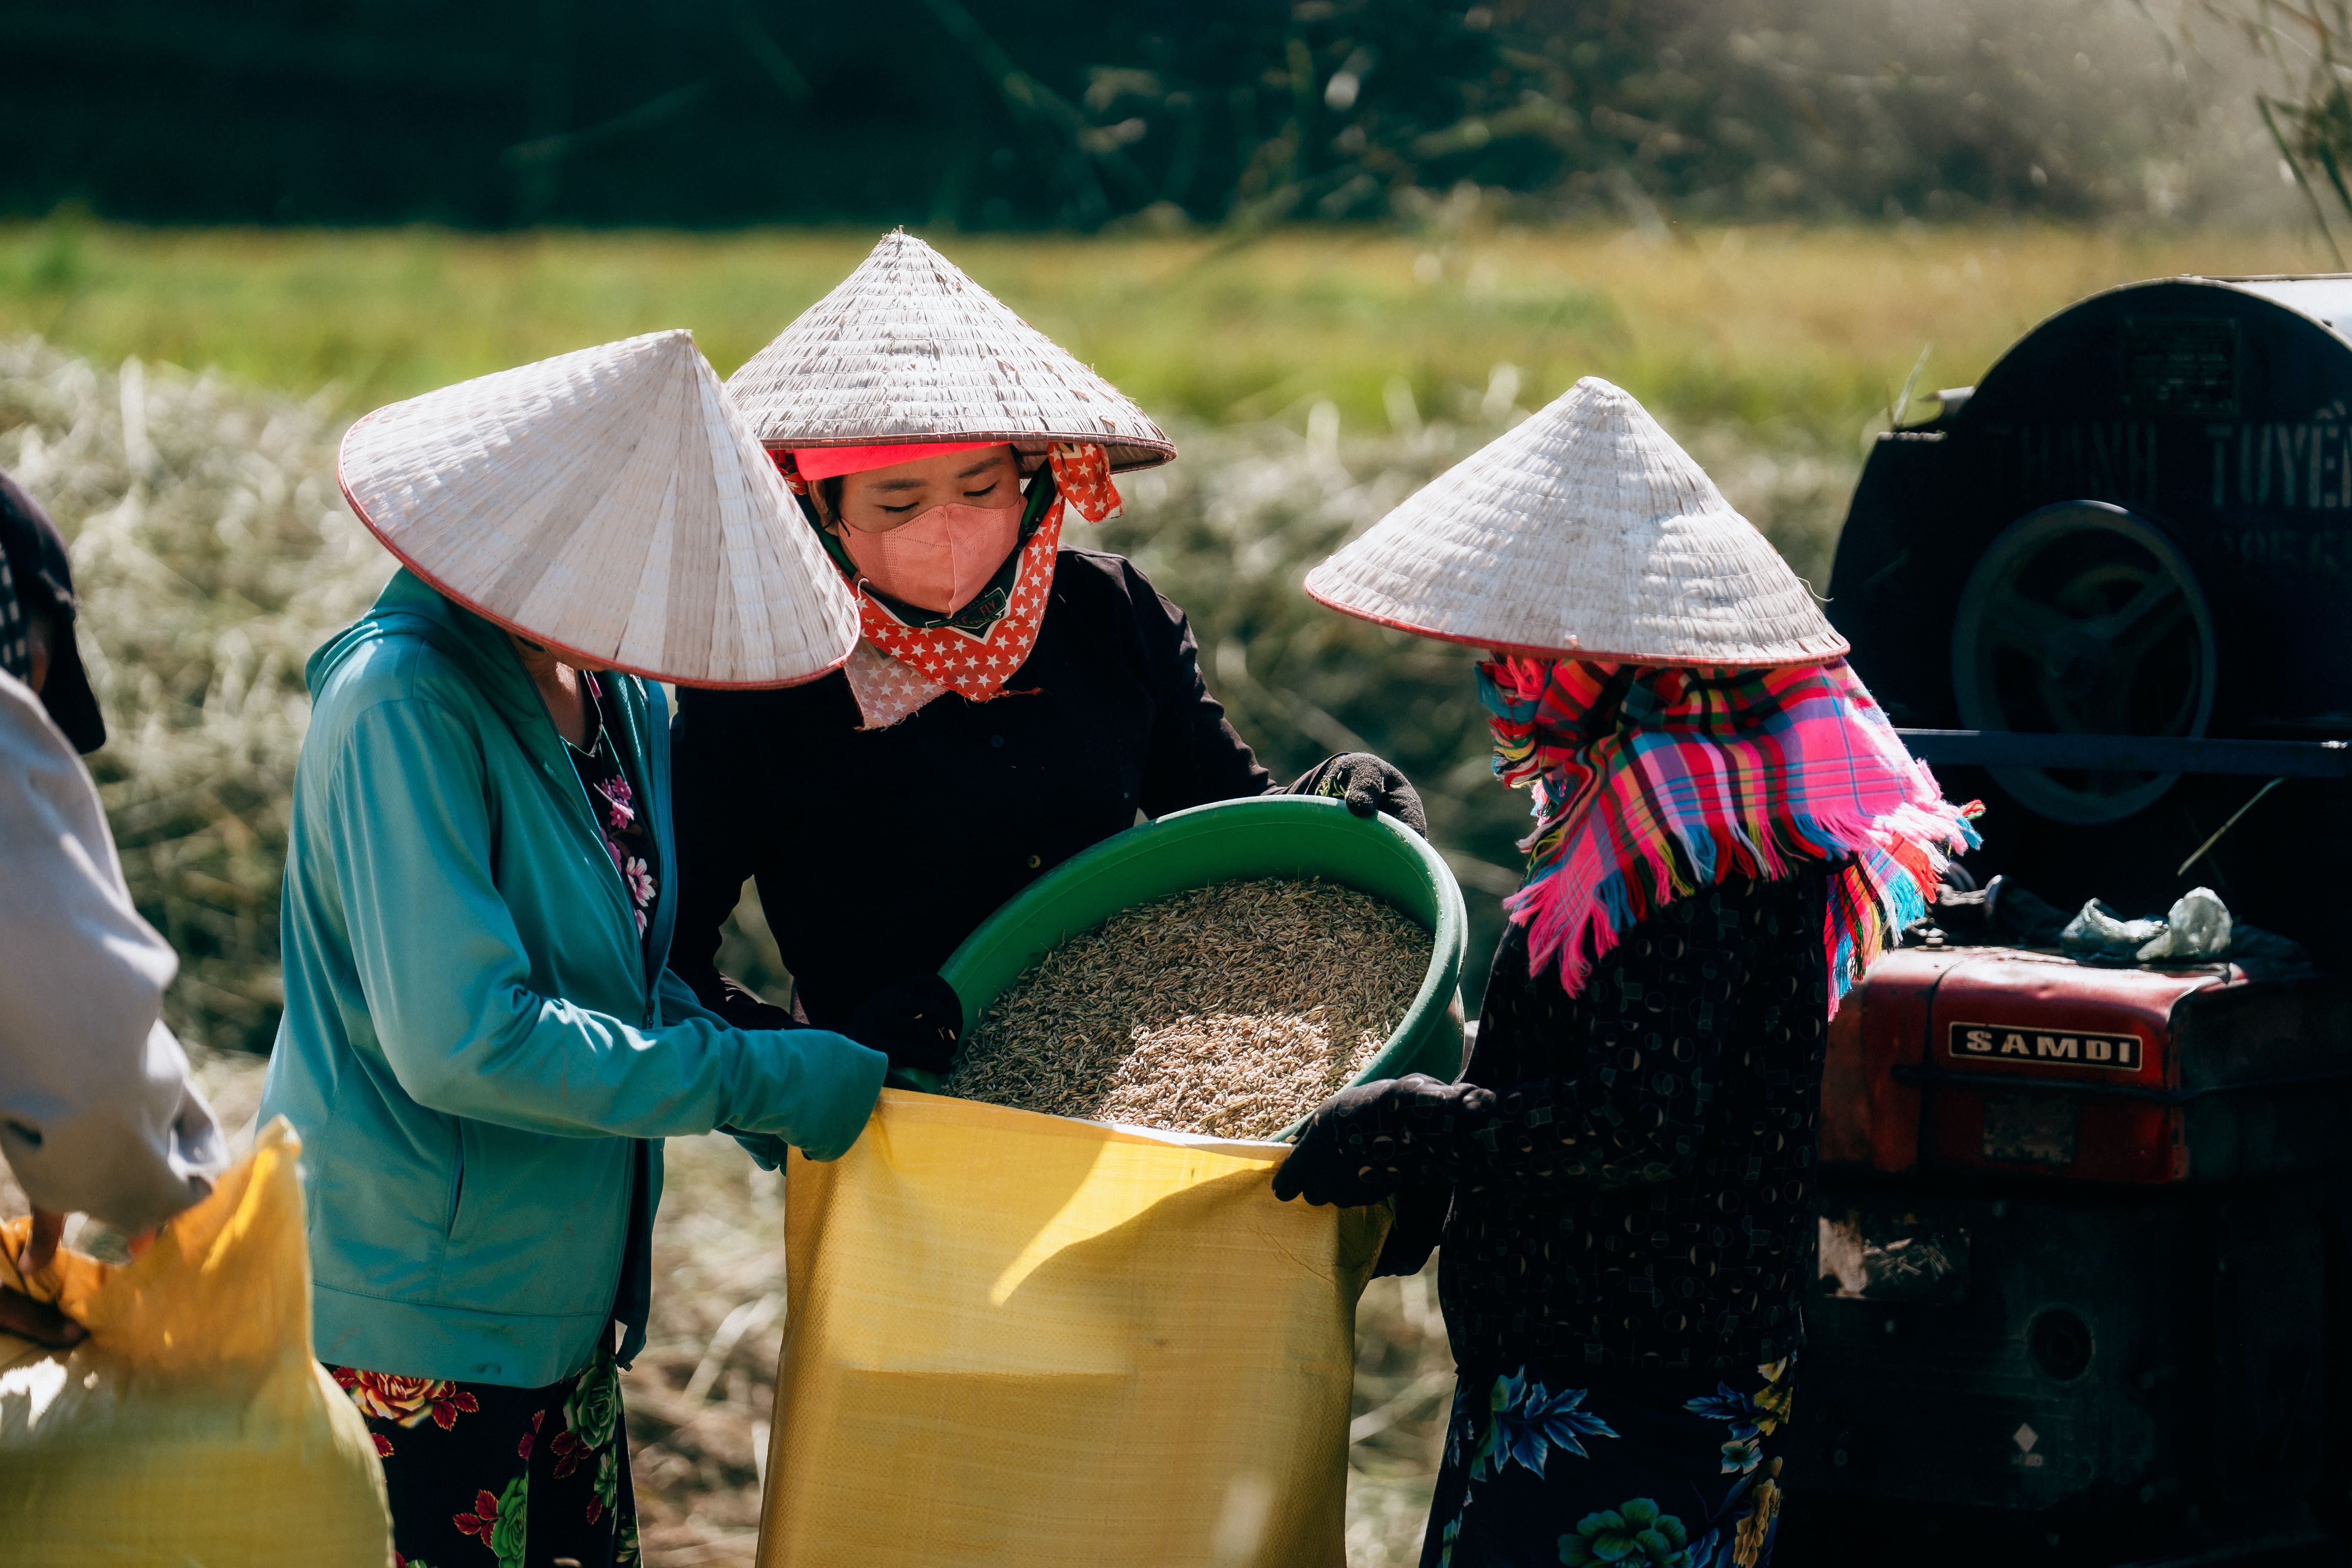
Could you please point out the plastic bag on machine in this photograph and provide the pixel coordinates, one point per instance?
(2196, 930)
(193, 1424)
(1019, 1339)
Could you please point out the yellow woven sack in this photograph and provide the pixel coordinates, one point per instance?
(1018, 1339)
(191, 1428)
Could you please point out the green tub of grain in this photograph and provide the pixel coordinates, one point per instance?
(1267, 836)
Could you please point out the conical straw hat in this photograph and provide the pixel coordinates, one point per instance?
(909, 349)
(1585, 531)
(613, 504)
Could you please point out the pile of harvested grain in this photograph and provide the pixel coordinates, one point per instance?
(1231, 1010)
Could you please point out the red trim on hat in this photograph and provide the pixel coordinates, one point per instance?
(1535, 650)
(575, 656)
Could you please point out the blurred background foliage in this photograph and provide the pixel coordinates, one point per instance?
(2306, 102)
(994, 114)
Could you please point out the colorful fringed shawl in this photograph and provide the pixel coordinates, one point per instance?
(1650, 784)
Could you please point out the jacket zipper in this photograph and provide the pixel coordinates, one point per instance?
(457, 1182)
(566, 775)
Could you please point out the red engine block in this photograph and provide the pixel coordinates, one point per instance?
(2029, 1063)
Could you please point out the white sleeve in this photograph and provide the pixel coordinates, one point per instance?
(98, 1114)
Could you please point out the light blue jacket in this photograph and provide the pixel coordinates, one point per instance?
(479, 1053)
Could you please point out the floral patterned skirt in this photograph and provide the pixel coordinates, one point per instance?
(1623, 1468)
(522, 1477)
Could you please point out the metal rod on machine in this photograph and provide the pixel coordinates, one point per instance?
(2225, 827)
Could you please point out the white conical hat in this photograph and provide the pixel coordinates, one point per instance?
(613, 504)
(909, 349)
(1585, 531)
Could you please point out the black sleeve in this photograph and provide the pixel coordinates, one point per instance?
(1195, 755)
(1648, 1032)
(716, 823)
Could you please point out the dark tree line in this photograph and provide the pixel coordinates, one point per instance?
(1077, 113)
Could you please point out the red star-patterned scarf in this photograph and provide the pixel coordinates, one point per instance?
(901, 664)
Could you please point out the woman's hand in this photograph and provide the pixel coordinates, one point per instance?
(917, 1022)
(748, 1010)
(38, 1320)
(48, 1229)
(1374, 1138)
(1368, 784)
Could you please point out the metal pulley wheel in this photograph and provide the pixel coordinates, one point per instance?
(2084, 618)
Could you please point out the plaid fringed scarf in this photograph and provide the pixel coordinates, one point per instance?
(1650, 784)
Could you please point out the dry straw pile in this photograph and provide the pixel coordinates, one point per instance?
(1231, 1010)
(212, 554)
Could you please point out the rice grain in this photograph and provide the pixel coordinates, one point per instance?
(1230, 1010)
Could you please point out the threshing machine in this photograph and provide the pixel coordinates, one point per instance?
(2083, 1294)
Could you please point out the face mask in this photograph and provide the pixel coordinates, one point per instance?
(940, 560)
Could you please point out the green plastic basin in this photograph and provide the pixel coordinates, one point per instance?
(1268, 835)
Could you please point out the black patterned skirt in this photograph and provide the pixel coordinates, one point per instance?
(479, 1473)
(1623, 1468)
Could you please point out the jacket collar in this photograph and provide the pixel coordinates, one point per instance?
(410, 606)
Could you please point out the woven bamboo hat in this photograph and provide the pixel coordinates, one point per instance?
(1587, 532)
(908, 350)
(613, 504)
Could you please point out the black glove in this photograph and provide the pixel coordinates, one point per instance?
(1374, 1138)
(1420, 1224)
(917, 1022)
(746, 1009)
(1368, 784)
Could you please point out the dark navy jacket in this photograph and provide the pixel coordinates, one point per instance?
(878, 852)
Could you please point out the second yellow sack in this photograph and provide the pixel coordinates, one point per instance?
(191, 1428)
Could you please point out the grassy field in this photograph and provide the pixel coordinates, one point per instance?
(1759, 325)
